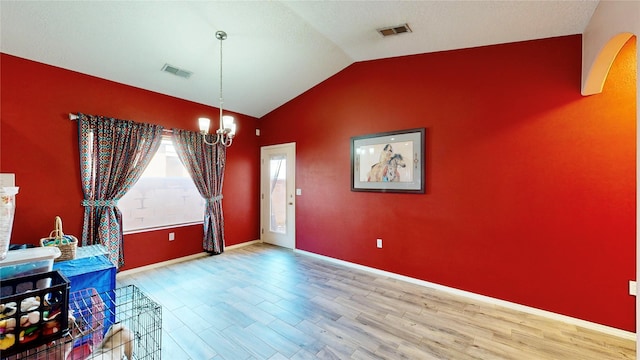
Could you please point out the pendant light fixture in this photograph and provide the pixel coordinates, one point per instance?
(227, 125)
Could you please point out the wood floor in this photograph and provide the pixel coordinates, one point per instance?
(265, 302)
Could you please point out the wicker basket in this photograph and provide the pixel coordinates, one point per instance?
(66, 243)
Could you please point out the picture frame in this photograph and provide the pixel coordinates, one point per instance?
(389, 162)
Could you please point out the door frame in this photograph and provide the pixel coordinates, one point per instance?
(291, 189)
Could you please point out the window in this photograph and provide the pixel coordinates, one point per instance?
(278, 195)
(164, 196)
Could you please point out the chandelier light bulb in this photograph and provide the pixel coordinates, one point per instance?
(204, 124)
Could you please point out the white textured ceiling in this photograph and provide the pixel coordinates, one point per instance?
(276, 50)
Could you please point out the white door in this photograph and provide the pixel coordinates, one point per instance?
(277, 195)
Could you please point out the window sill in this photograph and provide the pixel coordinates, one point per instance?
(137, 231)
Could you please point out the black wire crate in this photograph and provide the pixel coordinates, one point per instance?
(119, 324)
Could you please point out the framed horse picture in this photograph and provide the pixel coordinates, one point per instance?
(389, 162)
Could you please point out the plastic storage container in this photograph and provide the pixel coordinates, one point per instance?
(28, 261)
(32, 316)
(7, 211)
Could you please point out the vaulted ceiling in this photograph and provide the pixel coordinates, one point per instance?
(275, 50)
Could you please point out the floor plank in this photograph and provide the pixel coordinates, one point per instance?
(265, 302)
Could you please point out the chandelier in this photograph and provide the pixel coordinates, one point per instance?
(227, 127)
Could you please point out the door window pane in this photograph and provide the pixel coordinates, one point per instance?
(278, 193)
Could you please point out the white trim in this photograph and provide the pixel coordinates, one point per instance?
(527, 309)
(289, 241)
(241, 245)
(159, 228)
(160, 264)
(179, 260)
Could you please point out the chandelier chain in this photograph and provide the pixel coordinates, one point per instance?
(221, 35)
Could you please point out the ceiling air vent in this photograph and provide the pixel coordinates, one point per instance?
(176, 71)
(395, 30)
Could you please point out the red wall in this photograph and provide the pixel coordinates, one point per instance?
(530, 186)
(39, 144)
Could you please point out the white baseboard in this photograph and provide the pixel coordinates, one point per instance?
(179, 260)
(237, 246)
(527, 309)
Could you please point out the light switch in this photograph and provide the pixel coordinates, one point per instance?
(298, 192)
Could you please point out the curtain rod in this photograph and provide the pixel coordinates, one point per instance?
(75, 117)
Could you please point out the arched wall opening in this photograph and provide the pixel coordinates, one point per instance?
(599, 70)
(611, 26)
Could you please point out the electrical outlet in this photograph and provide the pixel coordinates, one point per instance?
(633, 288)
(379, 243)
(172, 236)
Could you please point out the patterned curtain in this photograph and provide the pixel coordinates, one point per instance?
(205, 164)
(113, 155)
